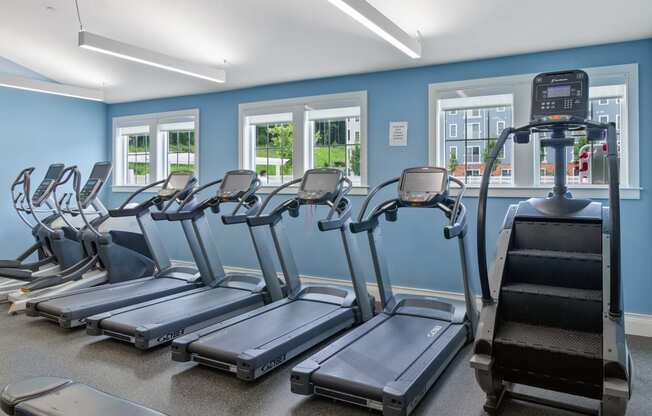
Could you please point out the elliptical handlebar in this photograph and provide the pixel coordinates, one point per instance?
(30, 206)
(77, 189)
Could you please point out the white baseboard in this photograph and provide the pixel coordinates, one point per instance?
(635, 324)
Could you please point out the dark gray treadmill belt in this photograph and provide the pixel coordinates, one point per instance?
(79, 399)
(176, 310)
(83, 305)
(394, 346)
(227, 344)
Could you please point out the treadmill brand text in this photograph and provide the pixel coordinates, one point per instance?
(170, 336)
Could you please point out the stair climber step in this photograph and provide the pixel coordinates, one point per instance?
(579, 270)
(581, 237)
(552, 306)
(549, 357)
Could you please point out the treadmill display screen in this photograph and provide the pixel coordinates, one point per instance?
(320, 182)
(236, 183)
(178, 181)
(424, 182)
(559, 91)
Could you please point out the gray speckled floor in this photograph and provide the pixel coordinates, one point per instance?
(33, 347)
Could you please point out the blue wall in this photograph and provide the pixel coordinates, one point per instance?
(39, 129)
(419, 256)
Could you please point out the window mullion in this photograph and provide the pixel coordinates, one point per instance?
(523, 161)
(300, 160)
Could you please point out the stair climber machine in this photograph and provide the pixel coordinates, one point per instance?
(256, 342)
(222, 296)
(61, 236)
(552, 315)
(390, 362)
(39, 258)
(131, 256)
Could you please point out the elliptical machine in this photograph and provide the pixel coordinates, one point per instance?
(41, 203)
(552, 315)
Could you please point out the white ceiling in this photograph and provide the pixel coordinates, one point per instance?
(269, 41)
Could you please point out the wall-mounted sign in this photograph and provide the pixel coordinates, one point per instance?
(398, 133)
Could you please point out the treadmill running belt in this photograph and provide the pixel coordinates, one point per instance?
(108, 298)
(231, 341)
(175, 310)
(379, 357)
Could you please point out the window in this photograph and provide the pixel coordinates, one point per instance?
(475, 173)
(333, 144)
(613, 97)
(474, 113)
(280, 139)
(500, 126)
(452, 130)
(473, 154)
(146, 148)
(452, 113)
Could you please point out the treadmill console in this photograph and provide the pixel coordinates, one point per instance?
(46, 186)
(98, 177)
(235, 184)
(560, 96)
(176, 181)
(320, 185)
(423, 186)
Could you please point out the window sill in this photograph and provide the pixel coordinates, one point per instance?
(593, 192)
(357, 190)
(133, 188)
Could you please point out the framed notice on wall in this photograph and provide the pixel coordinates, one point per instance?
(398, 133)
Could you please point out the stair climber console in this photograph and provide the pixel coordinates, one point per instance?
(552, 315)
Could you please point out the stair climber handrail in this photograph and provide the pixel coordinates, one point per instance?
(482, 215)
(615, 307)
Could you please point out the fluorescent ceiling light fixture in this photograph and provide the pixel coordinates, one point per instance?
(29, 84)
(378, 23)
(112, 47)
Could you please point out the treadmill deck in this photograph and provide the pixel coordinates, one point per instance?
(227, 344)
(397, 344)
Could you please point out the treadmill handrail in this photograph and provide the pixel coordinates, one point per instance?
(192, 194)
(253, 206)
(140, 191)
(372, 193)
(269, 197)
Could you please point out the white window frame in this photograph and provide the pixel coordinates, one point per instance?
(524, 168)
(302, 152)
(618, 122)
(450, 130)
(158, 146)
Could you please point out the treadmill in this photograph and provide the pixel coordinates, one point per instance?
(136, 265)
(391, 361)
(222, 296)
(256, 342)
